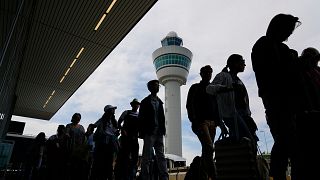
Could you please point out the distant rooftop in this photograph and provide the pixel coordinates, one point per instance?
(174, 157)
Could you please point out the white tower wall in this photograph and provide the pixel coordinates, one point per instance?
(173, 118)
(172, 74)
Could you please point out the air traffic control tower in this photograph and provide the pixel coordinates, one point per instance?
(172, 63)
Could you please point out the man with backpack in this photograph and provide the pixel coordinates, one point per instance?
(204, 117)
(127, 159)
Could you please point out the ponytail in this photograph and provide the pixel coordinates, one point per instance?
(225, 69)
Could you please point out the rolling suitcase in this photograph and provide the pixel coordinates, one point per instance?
(236, 159)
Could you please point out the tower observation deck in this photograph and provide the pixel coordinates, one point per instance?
(172, 63)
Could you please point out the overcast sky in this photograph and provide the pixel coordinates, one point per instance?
(212, 30)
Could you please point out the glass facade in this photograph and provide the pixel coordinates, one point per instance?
(169, 41)
(172, 59)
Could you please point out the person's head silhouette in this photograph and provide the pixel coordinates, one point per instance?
(281, 27)
(235, 63)
(76, 118)
(153, 86)
(206, 73)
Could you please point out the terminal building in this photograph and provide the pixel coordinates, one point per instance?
(48, 49)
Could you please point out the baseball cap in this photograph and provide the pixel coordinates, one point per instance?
(107, 107)
(93, 125)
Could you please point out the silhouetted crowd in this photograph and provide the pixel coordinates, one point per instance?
(288, 84)
(108, 149)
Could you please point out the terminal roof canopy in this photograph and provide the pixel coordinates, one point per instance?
(62, 46)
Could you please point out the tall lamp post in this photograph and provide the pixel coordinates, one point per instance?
(265, 140)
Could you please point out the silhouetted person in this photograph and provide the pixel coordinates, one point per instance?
(274, 64)
(151, 130)
(203, 114)
(79, 150)
(106, 139)
(91, 145)
(309, 60)
(127, 159)
(58, 150)
(36, 158)
(308, 117)
(233, 100)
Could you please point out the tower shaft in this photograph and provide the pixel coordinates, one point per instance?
(173, 140)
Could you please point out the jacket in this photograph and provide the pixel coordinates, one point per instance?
(201, 105)
(146, 118)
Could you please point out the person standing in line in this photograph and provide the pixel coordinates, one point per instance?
(204, 117)
(79, 150)
(152, 129)
(128, 155)
(106, 145)
(310, 114)
(233, 100)
(90, 143)
(36, 158)
(58, 154)
(309, 60)
(275, 68)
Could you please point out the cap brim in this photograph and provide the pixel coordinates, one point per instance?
(135, 102)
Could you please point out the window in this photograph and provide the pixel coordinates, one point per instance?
(172, 59)
(172, 41)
